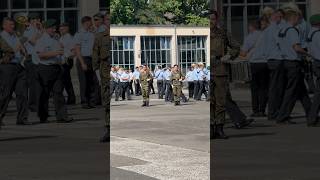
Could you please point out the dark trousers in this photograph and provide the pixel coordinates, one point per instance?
(202, 89)
(89, 84)
(67, 81)
(308, 71)
(160, 86)
(131, 87)
(259, 86)
(168, 92)
(32, 85)
(137, 88)
(294, 79)
(115, 89)
(13, 79)
(151, 88)
(276, 87)
(314, 111)
(190, 88)
(125, 90)
(196, 89)
(50, 78)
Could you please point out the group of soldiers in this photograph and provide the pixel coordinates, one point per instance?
(36, 60)
(280, 47)
(169, 81)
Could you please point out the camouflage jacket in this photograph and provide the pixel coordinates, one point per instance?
(221, 44)
(6, 52)
(101, 49)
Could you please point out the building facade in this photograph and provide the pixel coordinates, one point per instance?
(159, 45)
(238, 13)
(62, 10)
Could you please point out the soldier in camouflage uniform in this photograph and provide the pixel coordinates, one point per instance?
(145, 78)
(221, 100)
(176, 80)
(101, 63)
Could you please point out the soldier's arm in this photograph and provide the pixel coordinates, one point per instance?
(96, 54)
(7, 52)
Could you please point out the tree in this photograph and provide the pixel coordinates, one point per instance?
(182, 12)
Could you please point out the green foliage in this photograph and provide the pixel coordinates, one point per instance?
(180, 12)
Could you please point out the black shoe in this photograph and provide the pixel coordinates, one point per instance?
(143, 104)
(66, 120)
(24, 123)
(176, 103)
(244, 123)
(219, 133)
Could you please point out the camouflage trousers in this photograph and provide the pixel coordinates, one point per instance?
(218, 95)
(145, 91)
(176, 90)
(105, 89)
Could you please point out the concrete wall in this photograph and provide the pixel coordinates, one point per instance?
(174, 32)
(314, 7)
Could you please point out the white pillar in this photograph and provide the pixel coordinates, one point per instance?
(137, 51)
(174, 48)
(208, 51)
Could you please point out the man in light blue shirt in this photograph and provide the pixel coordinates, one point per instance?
(202, 82)
(168, 88)
(136, 79)
(50, 53)
(290, 46)
(114, 83)
(13, 75)
(190, 81)
(124, 84)
(89, 84)
(195, 78)
(158, 75)
(314, 50)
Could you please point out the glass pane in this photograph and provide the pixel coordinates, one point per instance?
(121, 59)
(132, 57)
(36, 4)
(72, 18)
(237, 22)
(54, 15)
(41, 14)
(54, 4)
(18, 4)
(3, 15)
(126, 56)
(103, 3)
(70, 3)
(4, 4)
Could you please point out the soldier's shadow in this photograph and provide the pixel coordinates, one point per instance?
(26, 138)
(244, 135)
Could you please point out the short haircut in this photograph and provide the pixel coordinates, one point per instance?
(85, 19)
(7, 19)
(255, 24)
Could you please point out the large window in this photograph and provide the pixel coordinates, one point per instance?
(191, 49)
(122, 51)
(155, 50)
(103, 4)
(61, 10)
(238, 13)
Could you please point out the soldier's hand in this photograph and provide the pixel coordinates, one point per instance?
(225, 58)
(84, 67)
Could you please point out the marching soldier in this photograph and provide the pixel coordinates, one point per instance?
(32, 34)
(12, 73)
(50, 73)
(68, 44)
(114, 83)
(84, 41)
(222, 100)
(145, 78)
(176, 80)
(101, 61)
(314, 46)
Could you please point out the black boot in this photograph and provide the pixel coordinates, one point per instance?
(220, 133)
(106, 137)
(144, 104)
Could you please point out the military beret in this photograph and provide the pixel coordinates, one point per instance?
(49, 23)
(315, 19)
(34, 16)
(98, 15)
